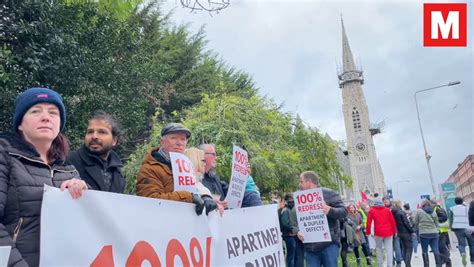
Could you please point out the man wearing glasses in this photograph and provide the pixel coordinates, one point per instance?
(217, 187)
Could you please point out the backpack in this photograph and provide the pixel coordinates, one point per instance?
(441, 213)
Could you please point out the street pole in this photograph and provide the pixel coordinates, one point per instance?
(398, 182)
(427, 155)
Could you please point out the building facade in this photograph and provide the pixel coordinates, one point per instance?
(463, 179)
(364, 165)
(347, 194)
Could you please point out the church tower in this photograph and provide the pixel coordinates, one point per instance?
(365, 168)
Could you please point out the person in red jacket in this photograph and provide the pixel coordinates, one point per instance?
(384, 230)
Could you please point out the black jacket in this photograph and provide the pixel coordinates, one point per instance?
(471, 213)
(214, 184)
(91, 169)
(338, 212)
(401, 219)
(22, 177)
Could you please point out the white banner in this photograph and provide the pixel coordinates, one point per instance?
(238, 179)
(183, 173)
(311, 219)
(107, 229)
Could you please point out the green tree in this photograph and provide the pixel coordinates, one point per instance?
(104, 55)
(280, 146)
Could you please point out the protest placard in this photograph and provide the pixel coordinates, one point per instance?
(92, 231)
(183, 173)
(238, 180)
(312, 221)
(4, 255)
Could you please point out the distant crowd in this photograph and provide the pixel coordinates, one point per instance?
(380, 224)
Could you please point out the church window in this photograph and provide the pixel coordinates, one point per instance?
(356, 119)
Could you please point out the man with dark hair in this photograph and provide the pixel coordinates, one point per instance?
(324, 253)
(289, 227)
(275, 197)
(410, 216)
(386, 202)
(459, 223)
(97, 163)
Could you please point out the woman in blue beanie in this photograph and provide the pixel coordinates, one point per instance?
(31, 157)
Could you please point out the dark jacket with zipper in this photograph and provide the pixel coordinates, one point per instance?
(401, 220)
(214, 184)
(92, 170)
(22, 177)
(337, 212)
(471, 213)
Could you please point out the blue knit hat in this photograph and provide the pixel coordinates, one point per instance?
(33, 96)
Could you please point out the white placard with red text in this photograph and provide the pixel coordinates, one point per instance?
(108, 229)
(183, 173)
(238, 179)
(312, 221)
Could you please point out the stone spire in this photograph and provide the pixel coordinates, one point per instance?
(347, 58)
(365, 168)
(349, 71)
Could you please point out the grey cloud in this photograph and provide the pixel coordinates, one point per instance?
(290, 49)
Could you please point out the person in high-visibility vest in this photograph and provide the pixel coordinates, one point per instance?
(459, 223)
(443, 235)
(363, 213)
(363, 210)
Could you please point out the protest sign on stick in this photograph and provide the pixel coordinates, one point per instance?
(312, 221)
(238, 180)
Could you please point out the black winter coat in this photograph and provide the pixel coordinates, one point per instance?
(22, 177)
(214, 184)
(338, 212)
(402, 222)
(91, 169)
(471, 213)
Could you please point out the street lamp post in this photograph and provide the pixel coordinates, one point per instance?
(428, 156)
(398, 182)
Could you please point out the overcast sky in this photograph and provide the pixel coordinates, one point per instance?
(292, 49)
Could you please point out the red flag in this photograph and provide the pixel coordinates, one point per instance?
(364, 196)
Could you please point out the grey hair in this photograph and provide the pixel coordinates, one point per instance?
(204, 146)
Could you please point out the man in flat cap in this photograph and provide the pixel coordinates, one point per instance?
(155, 178)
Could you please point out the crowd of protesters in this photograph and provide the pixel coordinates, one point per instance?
(383, 225)
(37, 154)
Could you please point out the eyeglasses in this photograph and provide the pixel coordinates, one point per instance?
(213, 154)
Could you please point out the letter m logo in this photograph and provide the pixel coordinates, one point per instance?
(444, 24)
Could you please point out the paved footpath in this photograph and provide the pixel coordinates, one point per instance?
(417, 260)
